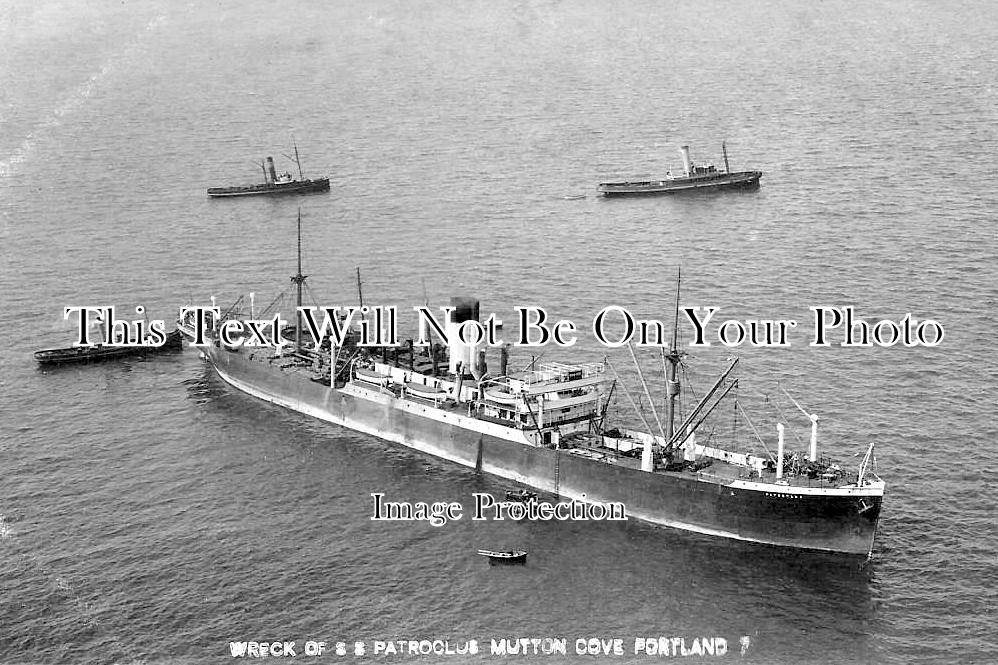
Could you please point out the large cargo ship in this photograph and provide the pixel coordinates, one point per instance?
(695, 178)
(545, 428)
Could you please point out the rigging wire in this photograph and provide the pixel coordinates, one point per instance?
(755, 431)
(783, 418)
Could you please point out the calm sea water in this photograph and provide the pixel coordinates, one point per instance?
(152, 514)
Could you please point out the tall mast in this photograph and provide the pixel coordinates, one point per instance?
(298, 279)
(671, 385)
(301, 175)
(360, 295)
(724, 149)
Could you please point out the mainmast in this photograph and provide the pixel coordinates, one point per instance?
(673, 357)
(360, 295)
(301, 175)
(298, 280)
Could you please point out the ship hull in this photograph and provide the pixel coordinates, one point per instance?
(77, 355)
(843, 523)
(742, 180)
(268, 189)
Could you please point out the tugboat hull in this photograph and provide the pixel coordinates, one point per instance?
(296, 187)
(743, 180)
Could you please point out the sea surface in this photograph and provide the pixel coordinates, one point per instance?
(149, 513)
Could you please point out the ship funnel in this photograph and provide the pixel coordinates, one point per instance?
(687, 164)
(779, 452)
(270, 169)
(461, 355)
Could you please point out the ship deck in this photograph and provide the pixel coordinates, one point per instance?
(718, 471)
(313, 366)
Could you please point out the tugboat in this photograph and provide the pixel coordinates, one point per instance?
(274, 183)
(695, 178)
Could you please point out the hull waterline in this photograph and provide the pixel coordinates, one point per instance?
(747, 180)
(296, 187)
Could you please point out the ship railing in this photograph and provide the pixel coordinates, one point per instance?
(553, 422)
(844, 480)
(555, 372)
(489, 418)
(500, 382)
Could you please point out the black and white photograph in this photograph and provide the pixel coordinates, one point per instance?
(546, 331)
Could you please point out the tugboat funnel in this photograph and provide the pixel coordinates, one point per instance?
(270, 169)
(687, 164)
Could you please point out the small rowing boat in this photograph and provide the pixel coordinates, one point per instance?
(523, 496)
(508, 558)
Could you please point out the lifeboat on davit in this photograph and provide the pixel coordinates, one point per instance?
(423, 391)
(372, 377)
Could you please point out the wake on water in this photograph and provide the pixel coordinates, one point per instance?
(72, 102)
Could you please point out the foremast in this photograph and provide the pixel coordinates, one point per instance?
(670, 361)
(301, 175)
(672, 438)
(298, 280)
